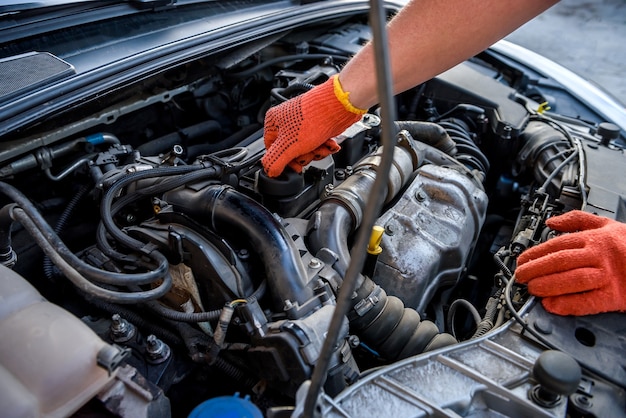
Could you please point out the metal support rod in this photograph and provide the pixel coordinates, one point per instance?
(378, 21)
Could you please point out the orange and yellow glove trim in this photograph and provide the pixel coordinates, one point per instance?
(344, 97)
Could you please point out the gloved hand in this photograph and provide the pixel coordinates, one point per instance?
(579, 273)
(300, 130)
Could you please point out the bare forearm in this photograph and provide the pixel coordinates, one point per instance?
(430, 36)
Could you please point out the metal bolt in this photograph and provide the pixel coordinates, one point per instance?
(156, 350)
(130, 218)
(420, 196)
(315, 263)
(582, 401)
(178, 150)
(328, 190)
(507, 132)
(353, 341)
(390, 229)
(121, 330)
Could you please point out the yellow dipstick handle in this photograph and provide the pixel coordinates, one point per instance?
(376, 237)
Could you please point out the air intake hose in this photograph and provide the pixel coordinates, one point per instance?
(228, 212)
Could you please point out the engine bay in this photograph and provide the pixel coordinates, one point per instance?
(144, 215)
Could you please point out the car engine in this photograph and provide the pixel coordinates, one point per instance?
(150, 265)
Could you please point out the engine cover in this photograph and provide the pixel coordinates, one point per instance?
(429, 234)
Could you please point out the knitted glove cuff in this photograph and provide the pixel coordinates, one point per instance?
(344, 97)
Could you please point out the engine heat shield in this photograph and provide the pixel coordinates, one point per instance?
(429, 234)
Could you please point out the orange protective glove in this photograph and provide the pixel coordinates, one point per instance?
(580, 273)
(300, 130)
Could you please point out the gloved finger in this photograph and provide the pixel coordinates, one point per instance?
(572, 281)
(556, 262)
(327, 148)
(578, 304)
(299, 163)
(274, 163)
(576, 220)
(545, 249)
(279, 154)
(324, 150)
(270, 128)
(295, 166)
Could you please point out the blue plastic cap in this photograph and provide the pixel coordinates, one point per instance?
(226, 407)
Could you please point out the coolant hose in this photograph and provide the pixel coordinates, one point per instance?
(229, 212)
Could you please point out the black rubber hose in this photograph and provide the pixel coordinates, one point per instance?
(388, 327)
(112, 192)
(70, 258)
(229, 212)
(429, 133)
(155, 189)
(282, 94)
(67, 213)
(467, 151)
(7, 255)
(77, 279)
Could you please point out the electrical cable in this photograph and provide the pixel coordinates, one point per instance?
(452, 312)
(557, 170)
(378, 21)
(207, 316)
